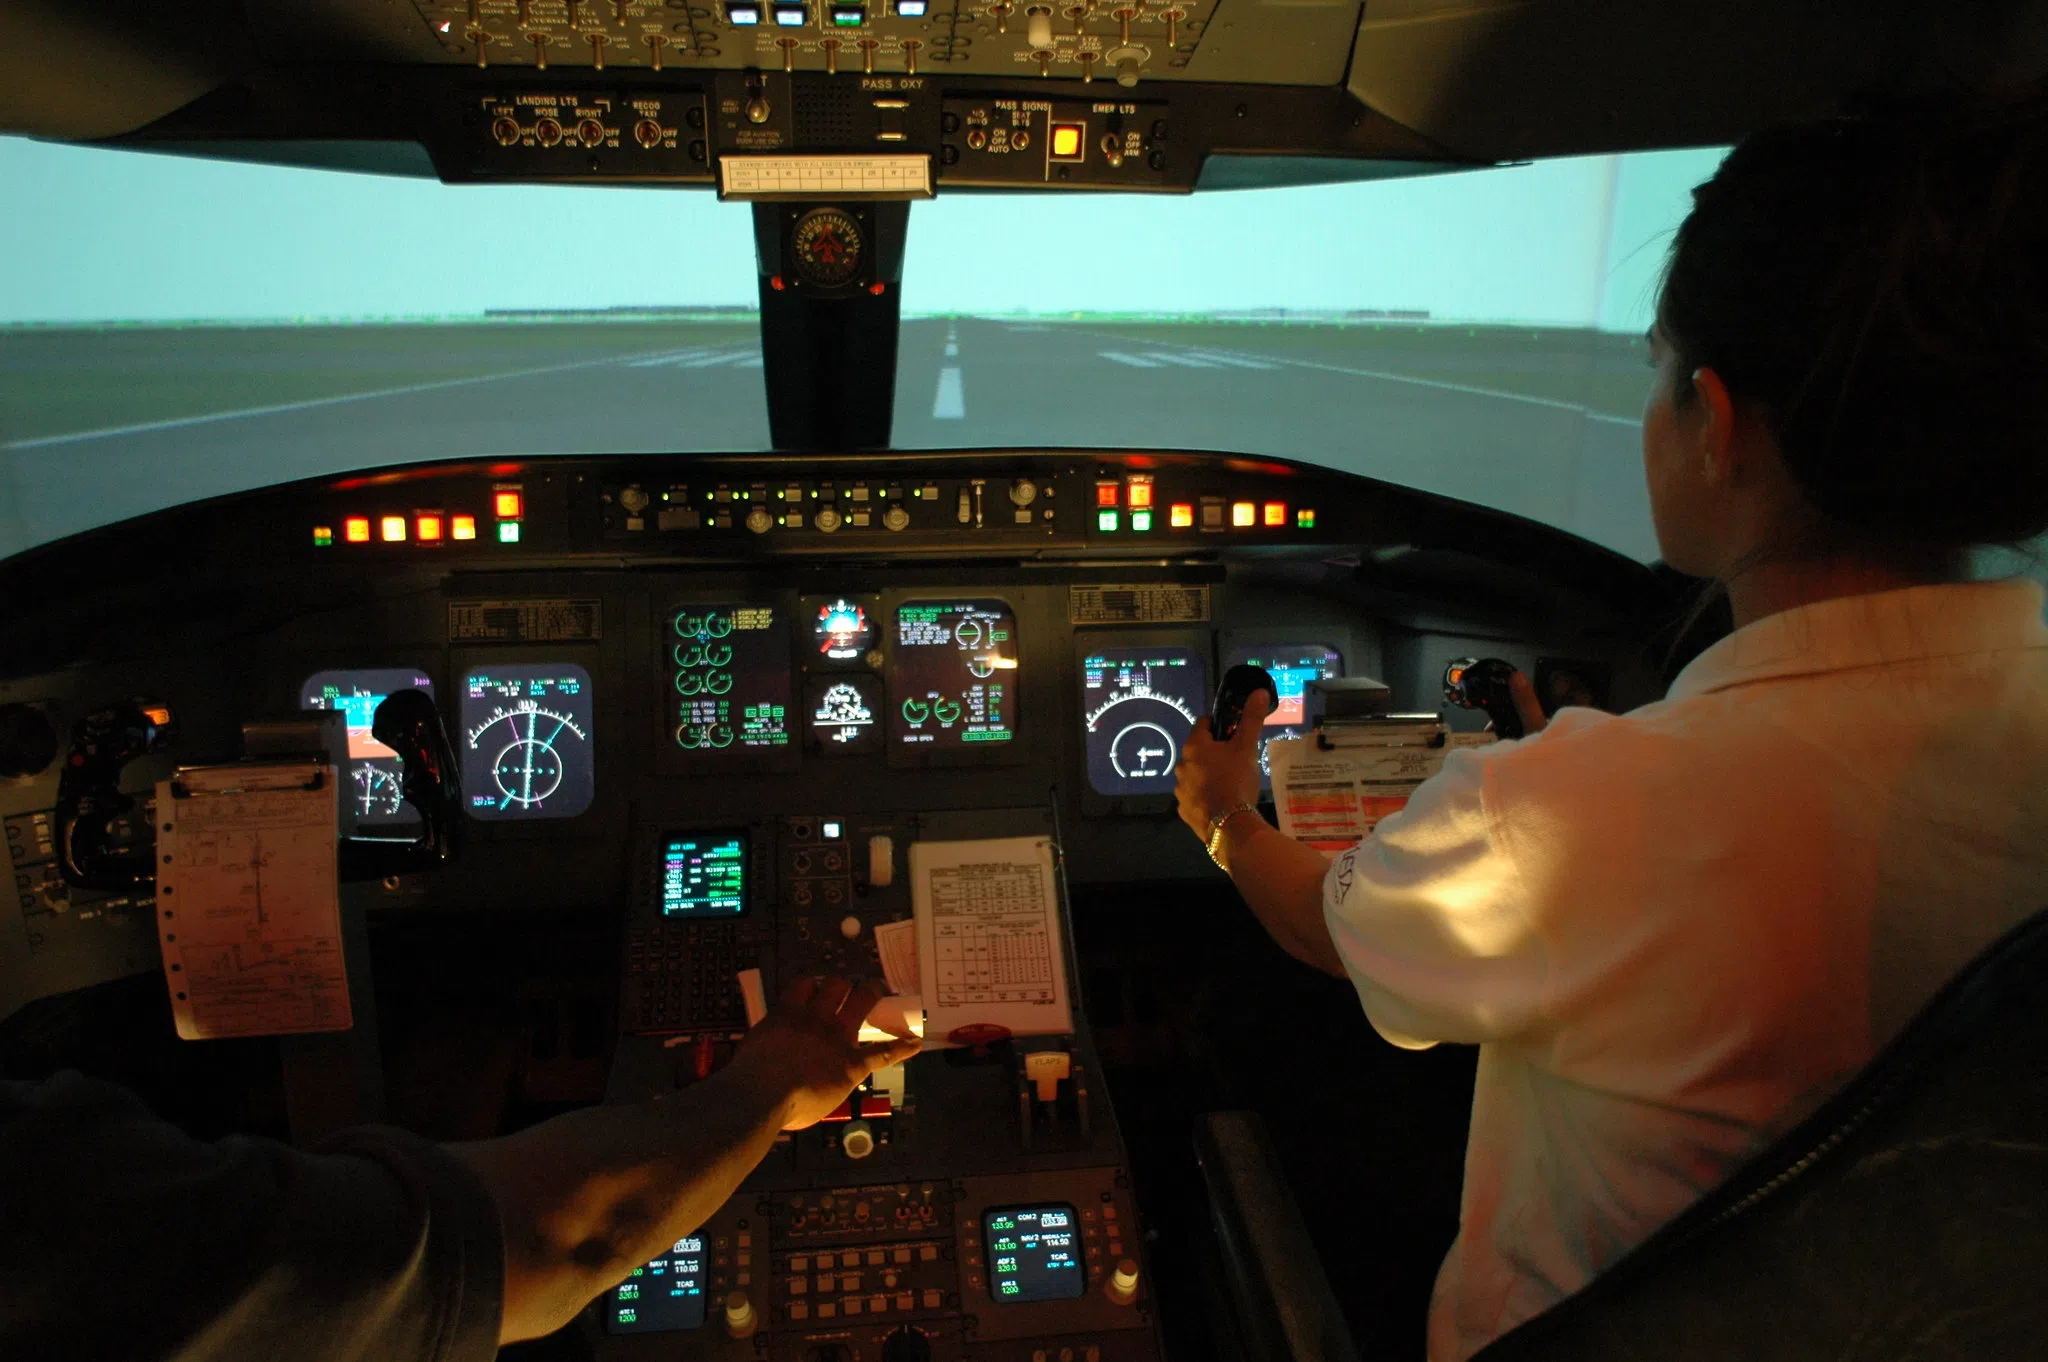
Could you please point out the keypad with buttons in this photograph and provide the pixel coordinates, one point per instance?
(684, 976)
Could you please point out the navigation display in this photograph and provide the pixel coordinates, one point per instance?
(664, 1296)
(1292, 666)
(1138, 706)
(843, 713)
(842, 631)
(1034, 1253)
(527, 741)
(954, 674)
(371, 798)
(730, 678)
(704, 874)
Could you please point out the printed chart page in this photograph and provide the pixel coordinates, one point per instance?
(249, 909)
(988, 937)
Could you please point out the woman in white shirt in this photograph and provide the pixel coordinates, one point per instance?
(1674, 933)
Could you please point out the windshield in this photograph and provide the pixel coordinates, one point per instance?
(175, 328)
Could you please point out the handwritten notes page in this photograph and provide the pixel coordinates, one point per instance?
(249, 913)
(988, 936)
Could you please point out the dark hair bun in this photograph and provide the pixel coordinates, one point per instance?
(1880, 287)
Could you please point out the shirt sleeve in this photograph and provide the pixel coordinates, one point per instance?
(123, 1240)
(1426, 914)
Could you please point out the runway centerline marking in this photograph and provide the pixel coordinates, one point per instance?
(950, 402)
(1119, 357)
(311, 403)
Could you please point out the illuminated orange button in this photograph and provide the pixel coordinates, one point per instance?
(426, 528)
(1141, 495)
(1182, 515)
(462, 527)
(1276, 513)
(1066, 141)
(1105, 493)
(356, 529)
(509, 505)
(1243, 513)
(392, 529)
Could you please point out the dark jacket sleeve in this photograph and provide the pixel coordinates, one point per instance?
(123, 1240)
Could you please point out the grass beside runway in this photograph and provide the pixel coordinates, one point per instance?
(62, 380)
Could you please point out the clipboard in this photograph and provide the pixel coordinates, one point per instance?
(248, 899)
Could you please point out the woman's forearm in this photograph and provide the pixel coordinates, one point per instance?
(588, 1196)
(1282, 881)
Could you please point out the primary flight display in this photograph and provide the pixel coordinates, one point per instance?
(526, 741)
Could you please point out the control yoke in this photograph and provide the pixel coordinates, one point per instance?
(408, 723)
(1482, 683)
(1233, 693)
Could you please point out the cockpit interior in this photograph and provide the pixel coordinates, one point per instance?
(655, 653)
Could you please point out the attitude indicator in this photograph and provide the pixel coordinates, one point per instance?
(1138, 706)
(526, 742)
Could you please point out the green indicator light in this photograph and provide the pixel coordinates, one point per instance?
(1105, 521)
(323, 538)
(508, 532)
(1141, 521)
(847, 16)
(1304, 520)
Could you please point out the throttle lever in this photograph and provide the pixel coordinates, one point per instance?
(408, 723)
(92, 853)
(1482, 683)
(1233, 693)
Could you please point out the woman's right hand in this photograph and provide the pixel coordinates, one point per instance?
(807, 1051)
(1213, 777)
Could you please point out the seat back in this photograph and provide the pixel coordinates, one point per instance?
(1905, 1221)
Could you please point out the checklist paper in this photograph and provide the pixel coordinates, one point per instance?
(248, 906)
(988, 937)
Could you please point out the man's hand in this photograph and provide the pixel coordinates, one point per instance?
(1213, 777)
(807, 1048)
(1534, 720)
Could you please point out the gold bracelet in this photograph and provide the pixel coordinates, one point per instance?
(1216, 831)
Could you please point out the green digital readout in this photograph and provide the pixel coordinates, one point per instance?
(731, 676)
(953, 674)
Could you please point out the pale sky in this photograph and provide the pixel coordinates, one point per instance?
(97, 235)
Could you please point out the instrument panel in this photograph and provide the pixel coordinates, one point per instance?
(526, 743)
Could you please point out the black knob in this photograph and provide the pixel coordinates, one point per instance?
(907, 1345)
(829, 1352)
(28, 741)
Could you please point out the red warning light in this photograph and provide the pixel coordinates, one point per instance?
(878, 288)
(426, 528)
(356, 529)
(509, 505)
(1106, 493)
(775, 282)
(1276, 513)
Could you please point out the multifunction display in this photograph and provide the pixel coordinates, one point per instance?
(843, 713)
(842, 630)
(954, 675)
(1138, 706)
(1034, 1253)
(372, 801)
(527, 741)
(704, 874)
(665, 1295)
(1292, 666)
(730, 677)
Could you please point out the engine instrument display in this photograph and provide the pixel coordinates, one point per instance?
(371, 800)
(842, 631)
(843, 713)
(730, 677)
(664, 1296)
(1138, 706)
(953, 676)
(1292, 666)
(704, 874)
(1034, 1253)
(526, 741)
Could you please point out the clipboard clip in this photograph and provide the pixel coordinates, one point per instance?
(99, 843)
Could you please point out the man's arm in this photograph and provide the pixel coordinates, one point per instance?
(1280, 879)
(587, 1197)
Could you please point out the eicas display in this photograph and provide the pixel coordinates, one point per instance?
(526, 741)
(372, 800)
(1138, 706)
(662, 1296)
(953, 674)
(731, 677)
(842, 713)
(1292, 666)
